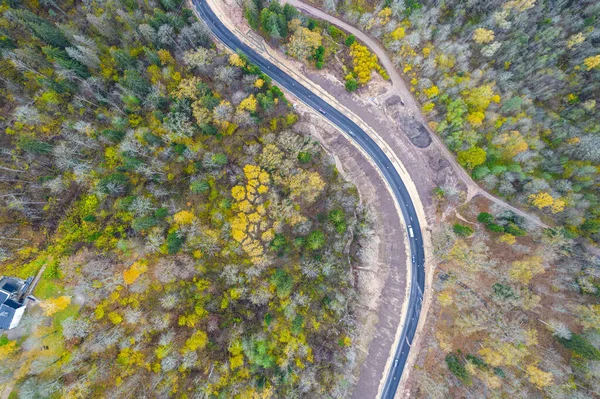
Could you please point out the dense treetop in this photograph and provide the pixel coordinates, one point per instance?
(316, 41)
(194, 241)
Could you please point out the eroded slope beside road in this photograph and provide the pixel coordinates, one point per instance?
(377, 155)
(382, 280)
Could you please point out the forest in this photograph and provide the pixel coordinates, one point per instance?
(514, 314)
(192, 241)
(511, 86)
(315, 42)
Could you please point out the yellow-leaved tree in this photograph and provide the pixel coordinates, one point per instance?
(187, 88)
(248, 104)
(8, 349)
(575, 40)
(497, 354)
(398, 33)
(306, 185)
(198, 340)
(238, 193)
(472, 157)
(201, 113)
(271, 157)
(482, 35)
(479, 98)
(558, 206)
(431, 92)
(524, 270)
(183, 217)
(364, 62)
(54, 305)
(519, 5)
(115, 318)
(511, 143)
(250, 225)
(508, 239)
(165, 57)
(592, 62)
(384, 15)
(541, 200)
(135, 271)
(303, 43)
(236, 60)
(538, 377)
(237, 358)
(445, 298)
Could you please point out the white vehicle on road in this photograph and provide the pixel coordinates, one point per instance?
(411, 232)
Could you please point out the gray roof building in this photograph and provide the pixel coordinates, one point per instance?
(13, 300)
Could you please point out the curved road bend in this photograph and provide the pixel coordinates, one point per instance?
(379, 158)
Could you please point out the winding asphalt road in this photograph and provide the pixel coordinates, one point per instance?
(379, 158)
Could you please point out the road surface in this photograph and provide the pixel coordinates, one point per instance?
(380, 160)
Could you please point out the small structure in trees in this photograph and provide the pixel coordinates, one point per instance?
(13, 300)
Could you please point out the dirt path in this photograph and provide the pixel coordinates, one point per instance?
(37, 279)
(413, 107)
(6, 390)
